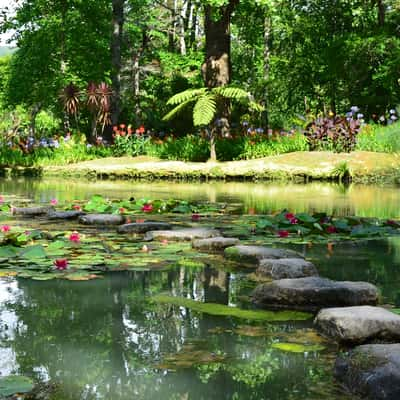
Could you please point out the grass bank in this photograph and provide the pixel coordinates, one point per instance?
(298, 166)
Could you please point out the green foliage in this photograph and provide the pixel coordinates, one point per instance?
(385, 139)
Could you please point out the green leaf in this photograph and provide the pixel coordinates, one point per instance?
(185, 96)
(204, 110)
(13, 384)
(32, 252)
(297, 348)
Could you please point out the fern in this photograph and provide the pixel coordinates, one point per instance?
(232, 93)
(204, 110)
(177, 110)
(190, 94)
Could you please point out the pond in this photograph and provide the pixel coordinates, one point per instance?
(108, 339)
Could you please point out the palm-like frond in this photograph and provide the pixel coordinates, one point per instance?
(177, 110)
(257, 107)
(204, 110)
(189, 94)
(232, 93)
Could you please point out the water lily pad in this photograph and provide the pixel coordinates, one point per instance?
(222, 310)
(297, 348)
(13, 384)
(32, 252)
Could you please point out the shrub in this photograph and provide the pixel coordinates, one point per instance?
(385, 139)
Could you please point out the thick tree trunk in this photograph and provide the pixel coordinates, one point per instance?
(116, 45)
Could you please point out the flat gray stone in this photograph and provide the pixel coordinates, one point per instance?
(214, 244)
(253, 254)
(143, 227)
(182, 234)
(102, 219)
(358, 324)
(31, 211)
(72, 214)
(314, 293)
(371, 371)
(286, 268)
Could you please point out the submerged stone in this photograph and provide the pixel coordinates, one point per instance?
(286, 268)
(214, 244)
(72, 214)
(102, 219)
(143, 227)
(372, 371)
(31, 211)
(253, 254)
(182, 234)
(314, 293)
(358, 324)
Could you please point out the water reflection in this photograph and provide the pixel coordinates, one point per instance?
(104, 340)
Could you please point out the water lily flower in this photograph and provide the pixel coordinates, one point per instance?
(1, 199)
(77, 207)
(75, 237)
(147, 208)
(61, 264)
(122, 210)
(283, 234)
(5, 228)
(289, 216)
(53, 202)
(331, 229)
(195, 217)
(294, 221)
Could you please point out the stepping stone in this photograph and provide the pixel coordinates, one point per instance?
(31, 211)
(102, 219)
(214, 244)
(314, 293)
(65, 214)
(143, 227)
(371, 371)
(182, 234)
(253, 254)
(358, 324)
(286, 268)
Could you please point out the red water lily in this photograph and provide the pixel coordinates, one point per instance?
(294, 221)
(77, 207)
(61, 264)
(75, 237)
(5, 228)
(331, 229)
(283, 234)
(147, 208)
(195, 217)
(289, 216)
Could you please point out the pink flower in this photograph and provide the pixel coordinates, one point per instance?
(75, 237)
(1, 199)
(294, 221)
(61, 264)
(164, 242)
(53, 202)
(289, 216)
(331, 229)
(195, 217)
(5, 228)
(77, 207)
(283, 234)
(147, 208)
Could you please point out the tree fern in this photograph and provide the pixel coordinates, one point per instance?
(190, 94)
(204, 110)
(177, 109)
(232, 93)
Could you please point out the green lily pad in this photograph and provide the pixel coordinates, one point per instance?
(297, 348)
(32, 252)
(222, 310)
(13, 384)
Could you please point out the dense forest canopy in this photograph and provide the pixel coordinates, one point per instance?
(294, 56)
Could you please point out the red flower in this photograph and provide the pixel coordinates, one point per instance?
(294, 221)
(141, 129)
(5, 228)
(283, 234)
(195, 217)
(75, 237)
(122, 210)
(331, 229)
(61, 264)
(289, 216)
(147, 208)
(77, 207)
(139, 221)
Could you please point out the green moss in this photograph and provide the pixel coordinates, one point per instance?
(297, 348)
(222, 310)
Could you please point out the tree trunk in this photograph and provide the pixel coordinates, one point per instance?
(171, 5)
(34, 112)
(381, 12)
(267, 59)
(116, 44)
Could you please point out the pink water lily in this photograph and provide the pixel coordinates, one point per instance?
(5, 228)
(75, 237)
(294, 221)
(290, 216)
(1, 199)
(147, 208)
(53, 202)
(61, 264)
(331, 229)
(283, 234)
(195, 217)
(77, 207)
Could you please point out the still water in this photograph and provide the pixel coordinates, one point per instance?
(105, 339)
